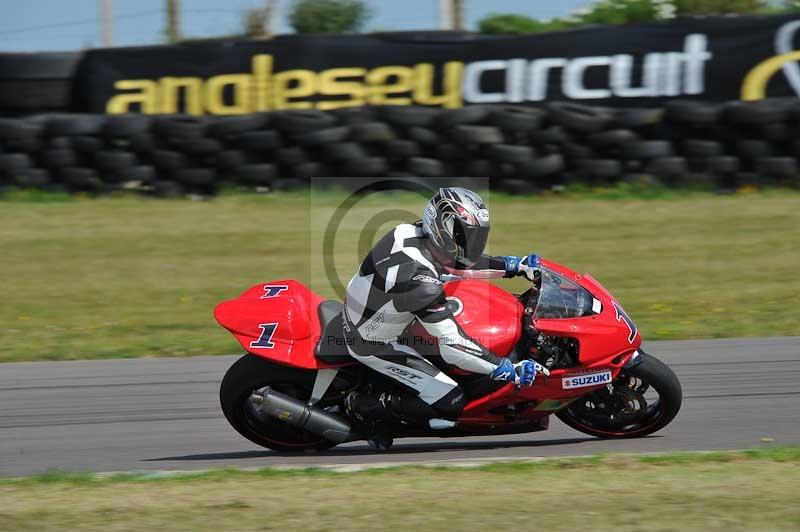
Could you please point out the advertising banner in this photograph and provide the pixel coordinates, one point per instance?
(704, 58)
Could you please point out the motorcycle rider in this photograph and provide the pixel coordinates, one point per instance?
(399, 281)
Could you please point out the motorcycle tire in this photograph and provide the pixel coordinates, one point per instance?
(723, 164)
(471, 114)
(516, 118)
(509, 153)
(223, 127)
(402, 149)
(693, 112)
(410, 116)
(366, 166)
(325, 136)
(656, 374)
(638, 118)
(467, 134)
(354, 115)
(251, 373)
(555, 135)
(777, 167)
(755, 112)
(372, 132)
(426, 167)
(116, 126)
(612, 138)
(59, 158)
(667, 167)
(291, 156)
(543, 166)
(265, 140)
(647, 149)
(424, 136)
(180, 127)
(73, 125)
(581, 118)
(303, 120)
(256, 174)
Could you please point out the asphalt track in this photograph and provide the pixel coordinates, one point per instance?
(144, 414)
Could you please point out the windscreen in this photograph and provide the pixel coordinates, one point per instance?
(561, 298)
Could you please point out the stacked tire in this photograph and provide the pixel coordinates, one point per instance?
(521, 149)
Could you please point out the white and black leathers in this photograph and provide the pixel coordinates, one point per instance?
(399, 282)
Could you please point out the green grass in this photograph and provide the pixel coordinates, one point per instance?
(127, 276)
(730, 491)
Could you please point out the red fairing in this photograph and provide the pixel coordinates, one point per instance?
(601, 336)
(606, 342)
(276, 320)
(487, 314)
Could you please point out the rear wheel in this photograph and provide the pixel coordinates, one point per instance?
(640, 401)
(250, 375)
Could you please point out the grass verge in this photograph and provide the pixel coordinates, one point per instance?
(126, 277)
(749, 490)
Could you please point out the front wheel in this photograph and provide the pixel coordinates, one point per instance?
(251, 374)
(640, 401)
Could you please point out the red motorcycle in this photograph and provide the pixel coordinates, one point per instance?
(287, 392)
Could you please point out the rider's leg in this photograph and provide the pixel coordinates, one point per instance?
(431, 393)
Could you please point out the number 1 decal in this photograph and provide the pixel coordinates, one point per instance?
(265, 340)
(621, 316)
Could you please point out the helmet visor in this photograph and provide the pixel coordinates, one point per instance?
(471, 241)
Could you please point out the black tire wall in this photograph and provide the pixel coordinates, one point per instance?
(521, 149)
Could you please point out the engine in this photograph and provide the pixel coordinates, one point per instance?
(555, 351)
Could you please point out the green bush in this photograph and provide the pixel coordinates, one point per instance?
(630, 11)
(791, 6)
(718, 7)
(328, 16)
(604, 12)
(511, 24)
(621, 12)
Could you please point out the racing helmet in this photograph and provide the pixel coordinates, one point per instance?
(456, 221)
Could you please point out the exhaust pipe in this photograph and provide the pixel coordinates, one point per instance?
(298, 414)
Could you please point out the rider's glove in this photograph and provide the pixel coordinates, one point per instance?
(522, 266)
(522, 373)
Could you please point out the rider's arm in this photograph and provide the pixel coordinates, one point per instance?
(493, 267)
(424, 296)
(486, 267)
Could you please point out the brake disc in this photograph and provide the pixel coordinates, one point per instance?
(630, 406)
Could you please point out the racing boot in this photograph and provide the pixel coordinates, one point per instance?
(404, 408)
(367, 407)
(371, 413)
